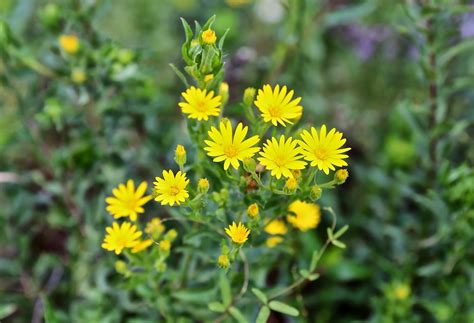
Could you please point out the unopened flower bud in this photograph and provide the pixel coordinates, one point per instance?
(160, 266)
(69, 43)
(224, 92)
(316, 192)
(296, 173)
(249, 164)
(78, 75)
(208, 78)
(180, 155)
(249, 95)
(165, 245)
(291, 185)
(203, 185)
(341, 176)
(171, 235)
(121, 267)
(209, 36)
(223, 261)
(253, 210)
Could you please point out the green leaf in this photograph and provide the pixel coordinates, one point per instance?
(329, 232)
(338, 244)
(226, 292)
(341, 231)
(456, 50)
(283, 308)
(181, 76)
(49, 315)
(260, 295)
(221, 41)
(237, 315)
(7, 310)
(216, 307)
(348, 14)
(313, 277)
(209, 23)
(263, 315)
(187, 30)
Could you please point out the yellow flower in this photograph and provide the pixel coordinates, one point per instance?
(238, 233)
(273, 241)
(121, 237)
(277, 106)
(180, 155)
(223, 261)
(171, 189)
(200, 104)
(69, 43)
(203, 185)
(230, 147)
(341, 175)
(78, 76)
(127, 201)
(291, 184)
(276, 227)
(402, 291)
(208, 78)
(281, 157)
(165, 245)
(209, 36)
(155, 228)
(324, 150)
(304, 216)
(238, 3)
(253, 210)
(142, 245)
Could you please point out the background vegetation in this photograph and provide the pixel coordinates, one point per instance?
(396, 77)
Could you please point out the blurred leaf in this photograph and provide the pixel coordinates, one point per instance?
(237, 315)
(260, 295)
(226, 292)
(263, 315)
(283, 308)
(216, 307)
(7, 310)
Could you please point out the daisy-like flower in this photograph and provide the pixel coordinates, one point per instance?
(200, 104)
(209, 36)
(238, 233)
(324, 150)
(127, 201)
(69, 43)
(155, 228)
(277, 106)
(171, 189)
(121, 237)
(272, 242)
(304, 216)
(281, 157)
(276, 227)
(142, 245)
(230, 147)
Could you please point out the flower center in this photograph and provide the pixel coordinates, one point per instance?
(321, 154)
(230, 151)
(274, 112)
(280, 160)
(174, 190)
(201, 105)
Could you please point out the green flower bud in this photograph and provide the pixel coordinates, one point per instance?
(249, 95)
(316, 192)
(249, 165)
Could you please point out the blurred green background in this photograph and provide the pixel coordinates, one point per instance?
(396, 77)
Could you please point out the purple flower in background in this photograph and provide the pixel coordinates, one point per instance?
(365, 40)
(466, 26)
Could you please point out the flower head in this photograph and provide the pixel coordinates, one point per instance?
(209, 36)
(171, 189)
(127, 201)
(304, 216)
(341, 175)
(180, 155)
(120, 237)
(253, 210)
(291, 184)
(230, 147)
(223, 261)
(69, 43)
(155, 228)
(203, 185)
(200, 104)
(272, 242)
(238, 233)
(281, 157)
(142, 245)
(276, 227)
(277, 106)
(165, 245)
(324, 150)
(78, 75)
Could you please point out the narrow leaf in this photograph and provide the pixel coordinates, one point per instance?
(221, 41)
(237, 315)
(226, 292)
(216, 307)
(341, 231)
(283, 308)
(260, 295)
(263, 315)
(180, 75)
(338, 244)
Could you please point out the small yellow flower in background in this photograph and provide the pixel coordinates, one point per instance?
(121, 237)
(291, 184)
(180, 155)
(224, 92)
(249, 95)
(209, 36)
(127, 201)
(155, 228)
(69, 43)
(203, 185)
(324, 150)
(121, 266)
(165, 245)
(171, 235)
(401, 291)
(281, 157)
(306, 215)
(171, 189)
(341, 176)
(223, 261)
(238, 3)
(200, 104)
(238, 233)
(208, 78)
(78, 75)
(142, 245)
(272, 242)
(276, 227)
(230, 147)
(253, 210)
(277, 106)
